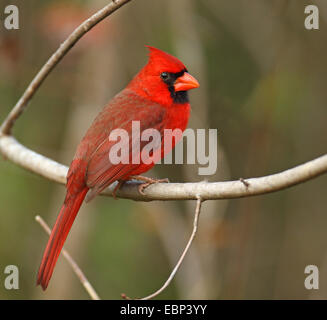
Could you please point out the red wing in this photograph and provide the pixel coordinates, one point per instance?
(101, 170)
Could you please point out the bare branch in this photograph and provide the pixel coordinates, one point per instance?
(86, 26)
(181, 259)
(82, 278)
(50, 169)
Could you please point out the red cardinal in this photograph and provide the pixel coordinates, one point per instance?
(157, 98)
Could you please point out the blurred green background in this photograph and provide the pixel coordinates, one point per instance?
(263, 86)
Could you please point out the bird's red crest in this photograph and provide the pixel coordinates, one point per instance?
(162, 61)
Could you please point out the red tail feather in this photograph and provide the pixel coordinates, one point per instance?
(58, 236)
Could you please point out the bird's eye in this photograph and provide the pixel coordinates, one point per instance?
(164, 76)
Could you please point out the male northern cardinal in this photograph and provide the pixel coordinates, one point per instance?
(157, 98)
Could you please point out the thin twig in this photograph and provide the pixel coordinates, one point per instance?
(82, 29)
(82, 278)
(181, 259)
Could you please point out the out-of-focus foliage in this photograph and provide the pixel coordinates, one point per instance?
(263, 79)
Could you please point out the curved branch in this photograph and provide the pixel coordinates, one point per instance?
(182, 257)
(55, 171)
(86, 26)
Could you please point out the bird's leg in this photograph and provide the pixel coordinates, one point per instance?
(147, 182)
(119, 184)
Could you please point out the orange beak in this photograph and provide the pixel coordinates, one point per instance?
(186, 82)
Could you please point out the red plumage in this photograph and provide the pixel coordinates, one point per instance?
(156, 97)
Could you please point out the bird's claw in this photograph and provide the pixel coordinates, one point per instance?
(148, 182)
(119, 184)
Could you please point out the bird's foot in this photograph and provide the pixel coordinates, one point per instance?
(119, 184)
(147, 182)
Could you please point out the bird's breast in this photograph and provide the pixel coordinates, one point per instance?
(177, 116)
